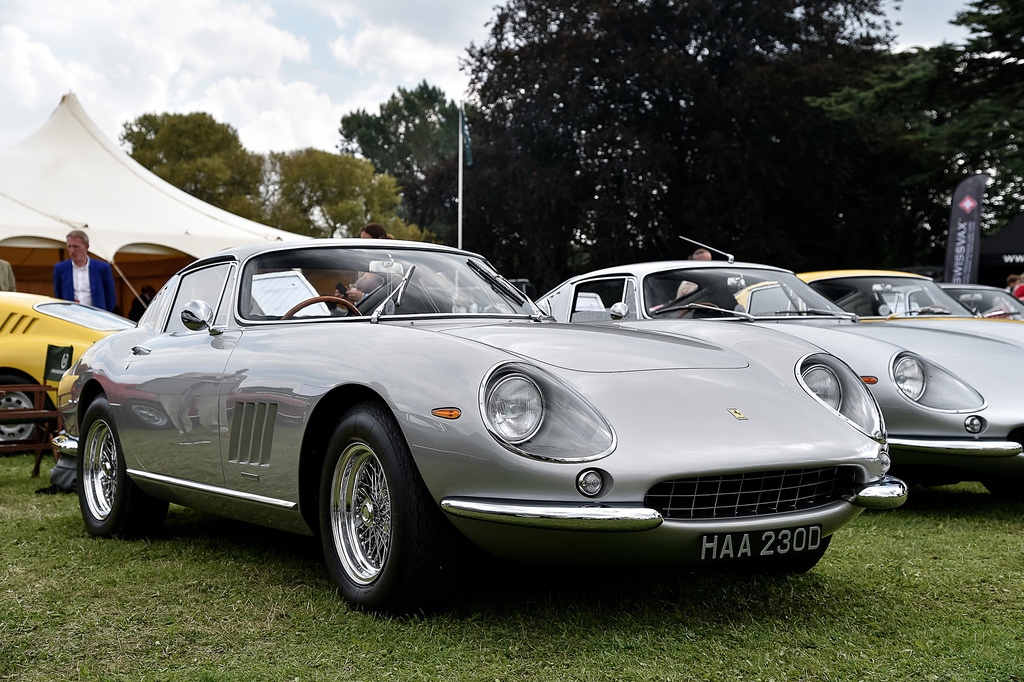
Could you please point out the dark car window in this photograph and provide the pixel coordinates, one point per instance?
(157, 309)
(595, 298)
(204, 285)
(763, 293)
(79, 314)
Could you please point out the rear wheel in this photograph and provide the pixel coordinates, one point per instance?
(387, 545)
(15, 400)
(111, 503)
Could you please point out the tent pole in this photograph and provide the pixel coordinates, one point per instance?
(124, 279)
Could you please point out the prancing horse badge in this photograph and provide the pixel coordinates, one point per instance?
(736, 413)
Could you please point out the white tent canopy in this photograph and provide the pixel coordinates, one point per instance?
(67, 175)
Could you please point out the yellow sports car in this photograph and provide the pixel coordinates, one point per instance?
(41, 337)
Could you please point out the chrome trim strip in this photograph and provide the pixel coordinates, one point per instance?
(975, 448)
(65, 444)
(554, 516)
(216, 490)
(886, 493)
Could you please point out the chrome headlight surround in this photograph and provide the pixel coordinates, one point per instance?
(927, 384)
(832, 383)
(534, 414)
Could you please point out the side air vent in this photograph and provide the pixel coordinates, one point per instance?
(252, 433)
(16, 323)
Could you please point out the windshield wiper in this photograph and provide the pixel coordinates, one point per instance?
(504, 289)
(704, 306)
(923, 310)
(394, 299)
(818, 311)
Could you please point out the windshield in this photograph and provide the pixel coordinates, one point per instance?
(83, 315)
(761, 293)
(885, 296)
(274, 284)
(989, 303)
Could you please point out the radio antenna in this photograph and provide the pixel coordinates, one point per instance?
(728, 256)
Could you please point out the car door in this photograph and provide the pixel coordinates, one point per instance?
(172, 408)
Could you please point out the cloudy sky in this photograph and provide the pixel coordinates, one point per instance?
(282, 72)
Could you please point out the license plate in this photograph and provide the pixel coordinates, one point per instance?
(761, 543)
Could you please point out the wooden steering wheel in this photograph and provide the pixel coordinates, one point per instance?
(344, 302)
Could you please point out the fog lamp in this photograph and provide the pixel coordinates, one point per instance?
(974, 424)
(589, 482)
(885, 462)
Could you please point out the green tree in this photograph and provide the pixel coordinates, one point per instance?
(605, 130)
(201, 156)
(956, 109)
(414, 131)
(321, 194)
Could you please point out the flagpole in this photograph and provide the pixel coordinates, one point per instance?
(462, 114)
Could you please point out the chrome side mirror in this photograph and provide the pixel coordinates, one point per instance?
(619, 310)
(197, 315)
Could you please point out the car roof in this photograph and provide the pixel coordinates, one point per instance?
(969, 285)
(646, 268)
(241, 253)
(835, 274)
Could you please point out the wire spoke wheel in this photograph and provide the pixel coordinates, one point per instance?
(361, 513)
(99, 470)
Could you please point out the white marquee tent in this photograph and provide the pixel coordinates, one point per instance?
(67, 175)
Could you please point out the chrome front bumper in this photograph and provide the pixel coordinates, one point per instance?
(969, 448)
(581, 517)
(885, 493)
(65, 444)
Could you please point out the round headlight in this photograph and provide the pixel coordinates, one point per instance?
(515, 408)
(908, 374)
(824, 383)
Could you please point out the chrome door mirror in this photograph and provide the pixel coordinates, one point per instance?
(197, 315)
(619, 310)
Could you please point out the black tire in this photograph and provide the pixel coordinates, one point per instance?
(13, 433)
(1008, 489)
(386, 542)
(112, 504)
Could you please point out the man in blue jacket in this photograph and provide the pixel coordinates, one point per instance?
(81, 278)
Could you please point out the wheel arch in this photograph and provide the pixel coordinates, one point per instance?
(29, 379)
(90, 391)
(319, 430)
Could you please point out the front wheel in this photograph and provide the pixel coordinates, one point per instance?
(1009, 488)
(387, 545)
(111, 503)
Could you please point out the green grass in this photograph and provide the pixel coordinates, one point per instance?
(931, 591)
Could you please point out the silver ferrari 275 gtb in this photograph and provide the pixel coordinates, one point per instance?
(399, 399)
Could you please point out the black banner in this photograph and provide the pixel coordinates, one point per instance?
(963, 242)
(58, 360)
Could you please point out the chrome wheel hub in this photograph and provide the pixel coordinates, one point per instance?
(361, 513)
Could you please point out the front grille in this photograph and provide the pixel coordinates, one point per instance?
(751, 494)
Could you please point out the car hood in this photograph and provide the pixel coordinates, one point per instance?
(600, 348)
(991, 365)
(1009, 331)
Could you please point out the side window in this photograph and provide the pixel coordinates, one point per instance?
(594, 299)
(205, 285)
(157, 309)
